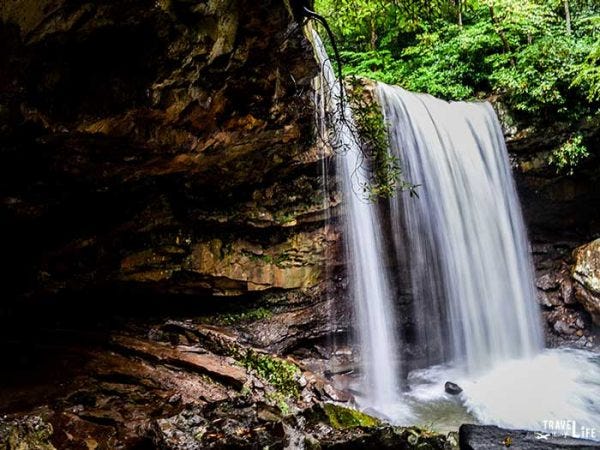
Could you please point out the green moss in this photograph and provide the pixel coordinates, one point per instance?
(280, 401)
(285, 217)
(30, 432)
(281, 375)
(342, 418)
(243, 316)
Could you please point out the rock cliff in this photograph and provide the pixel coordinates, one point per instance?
(561, 214)
(159, 148)
(164, 145)
(157, 157)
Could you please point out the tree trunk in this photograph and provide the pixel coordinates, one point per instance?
(373, 35)
(568, 16)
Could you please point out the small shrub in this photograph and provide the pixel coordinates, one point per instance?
(569, 155)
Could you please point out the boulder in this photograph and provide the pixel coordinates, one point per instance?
(586, 271)
(452, 388)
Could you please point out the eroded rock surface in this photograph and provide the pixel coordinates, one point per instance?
(586, 271)
(258, 426)
(560, 214)
(161, 145)
(26, 433)
(111, 391)
(567, 321)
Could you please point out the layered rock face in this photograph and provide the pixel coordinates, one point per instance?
(163, 147)
(561, 214)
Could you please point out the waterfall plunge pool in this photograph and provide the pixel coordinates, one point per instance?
(557, 392)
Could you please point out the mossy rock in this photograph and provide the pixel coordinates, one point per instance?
(282, 375)
(28, 433)
(342, 418)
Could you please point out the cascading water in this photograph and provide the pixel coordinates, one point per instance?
(471, 275)
(465, 238)
(369, 286)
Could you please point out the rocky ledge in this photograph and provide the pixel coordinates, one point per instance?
(159, 146)
(179, 385)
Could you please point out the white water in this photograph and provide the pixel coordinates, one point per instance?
(465, 240)
(369, 286)
(472, 278)
(555, 385)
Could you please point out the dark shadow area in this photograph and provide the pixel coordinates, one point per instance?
(45, 345)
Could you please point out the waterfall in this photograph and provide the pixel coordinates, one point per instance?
(464, 238)
(368, 283)
(470, 274)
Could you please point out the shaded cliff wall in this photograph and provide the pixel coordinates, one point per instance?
(562, 212)
(153, 148)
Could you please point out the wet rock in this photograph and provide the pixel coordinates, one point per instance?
(547, 282)
(548, 298)
(567, 291)
(452, 388)
(542, 299)
(226, 425)
(336, 395)
(296, 324)
(483, 437)
(563, 328)
(586, 271)
(234, 425)
(566, 321)
(25, 433)
(216, 367)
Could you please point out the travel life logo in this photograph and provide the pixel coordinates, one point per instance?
(566, 428)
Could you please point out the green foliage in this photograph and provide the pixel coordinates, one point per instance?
(589, 74)
(385, 174)
(568, 156)
(540, 80)
(281, 375)
(449, 63)
(465, 49)
(280, 400)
